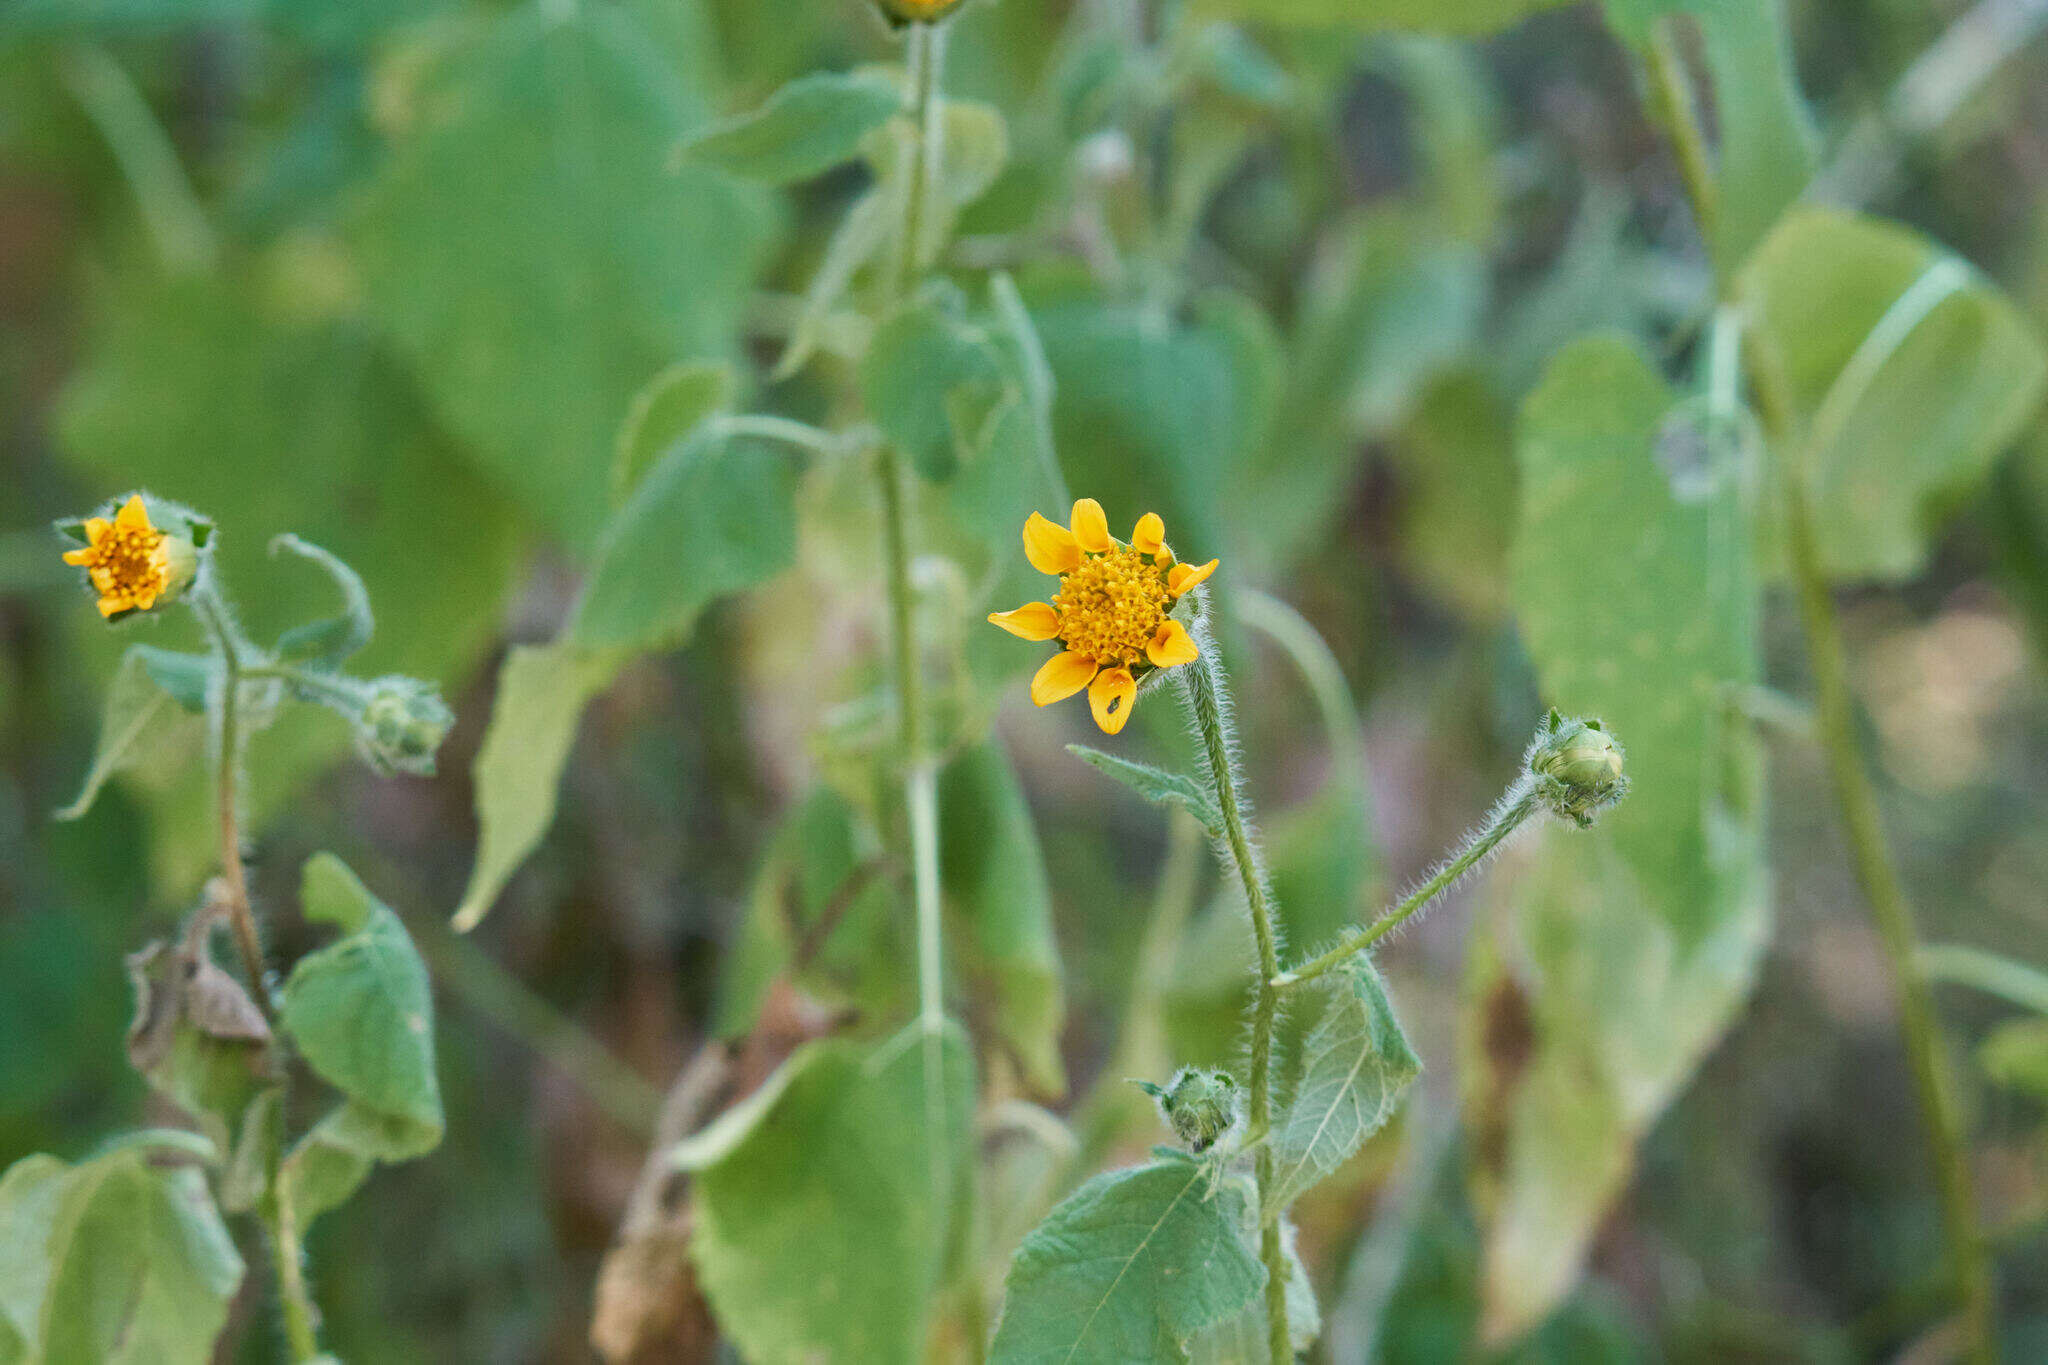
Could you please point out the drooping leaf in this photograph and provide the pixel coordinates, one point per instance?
(808, 126)
(1633, 944)
(822, 1211)
(1159, 787)
(1354, 1066)
(715, 515)
(328, 643)
(1129, 1267)
(140, 717)
(992, 876)
(542, 690)
(197, 1037)
(535, 281)
(360, 1012)
(1908, 373)
(666, 411)
(113, 1261)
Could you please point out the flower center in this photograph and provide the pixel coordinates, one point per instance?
(1111, 606)
(129, 563)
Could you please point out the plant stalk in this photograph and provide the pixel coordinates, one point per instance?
(241, 917)
(1208, 705)
(300, 1334)
(1506, 819)
(1893, 916)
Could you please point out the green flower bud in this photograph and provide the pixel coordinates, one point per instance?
(1200, 1106)
(1576, 766)
(402, 724)
(901, 12)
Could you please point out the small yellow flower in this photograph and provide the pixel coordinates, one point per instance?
(1111, 614)
(127, 559)
(901, 12)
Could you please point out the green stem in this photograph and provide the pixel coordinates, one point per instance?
(1879, 879)
(1208, 705)
(170, 208)
(1671, 104)
(241, 917)
(1518, 806)
(300, 1334)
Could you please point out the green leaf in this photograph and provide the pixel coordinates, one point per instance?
(535, 281)
(1353, 1068)
(992, 875)
(140, 720)
(1160, 788)
(821, 862)
(824, 1206)
(668, 410)
(808, 126)
(1129, 1267)
(975, 144)
(1469, 17)
(920, 365)
(1765, 144)
(361, 1014)
(1635, 943)
(328, 643)
(1242, 1340)
(1908, 374)
(2016, 1057)
(197, 1037)
(186, 677)
(717, 514)
(856, 241)
(542, 691)
(113, 1261)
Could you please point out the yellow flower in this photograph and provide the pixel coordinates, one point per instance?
(128, 560)
(1111, 614)
(901, 12)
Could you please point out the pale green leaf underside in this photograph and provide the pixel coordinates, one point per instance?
(808, 126)
(1355, 1065)
(138, 713)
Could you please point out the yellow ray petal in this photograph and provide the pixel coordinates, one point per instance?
(1150, 536)
(1032, 621)
(110, 605)
(1181, 577)
(1050, 547)
(1110, 696)
(1171, 645)
(79, 556)
(1063, 675)
(1091, 526)
(96, 529)
(133, 516)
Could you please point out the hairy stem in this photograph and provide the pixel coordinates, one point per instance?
(241, 917)
(1208, 705)
(1507, 817)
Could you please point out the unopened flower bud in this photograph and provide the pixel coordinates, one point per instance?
(1577, 768)
(1200, 1105)
(402, 725)
(901, 12)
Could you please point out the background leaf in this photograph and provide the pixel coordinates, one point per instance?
(535, 281)
(1157, 786)
(141, 718)
(821, 1227)
(112, 1261)
(1908, 374)
(1629, 948)
(992, 876)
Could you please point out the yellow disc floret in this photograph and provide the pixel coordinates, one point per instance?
(127, 559)
(1113, 614)
(1111, 606)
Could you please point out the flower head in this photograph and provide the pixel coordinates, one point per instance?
(1577, 768)
(901, 12)
(1113, 613)
(131, 563)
